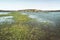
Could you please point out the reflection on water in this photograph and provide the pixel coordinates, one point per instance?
(24, 13)
(51, 17)
(32, 16)
(6, 19)
(4, 13)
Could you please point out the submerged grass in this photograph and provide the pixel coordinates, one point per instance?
(25, 28)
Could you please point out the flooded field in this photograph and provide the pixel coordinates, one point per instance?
(29, 26)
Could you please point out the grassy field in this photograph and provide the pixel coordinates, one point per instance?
(25, 28)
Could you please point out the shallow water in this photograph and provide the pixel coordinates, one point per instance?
(4, 13)
(7, 19)
(51, 17)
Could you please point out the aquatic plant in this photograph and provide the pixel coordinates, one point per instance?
(25, 28)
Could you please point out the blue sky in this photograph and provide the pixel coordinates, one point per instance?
(30, 4)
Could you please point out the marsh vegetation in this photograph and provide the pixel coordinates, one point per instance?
(25, 28)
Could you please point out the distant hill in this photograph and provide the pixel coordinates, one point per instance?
(30, 10)
(25, 10)
(7, 10)
(52, 10)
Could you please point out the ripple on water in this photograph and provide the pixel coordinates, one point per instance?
(4, 12)
(6, 19)
(32, 16)
(24, 13)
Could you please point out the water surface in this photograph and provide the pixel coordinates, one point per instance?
(51, 17)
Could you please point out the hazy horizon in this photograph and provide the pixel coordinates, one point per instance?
(29, 4)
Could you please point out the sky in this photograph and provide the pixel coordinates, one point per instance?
(30, 4)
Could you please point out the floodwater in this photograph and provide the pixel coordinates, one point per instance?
(51, 17)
